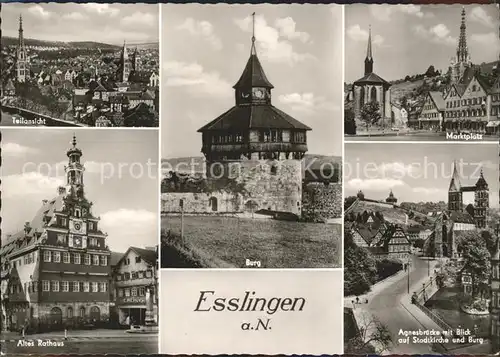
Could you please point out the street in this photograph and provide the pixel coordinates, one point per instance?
(385, 304)
(81, 342)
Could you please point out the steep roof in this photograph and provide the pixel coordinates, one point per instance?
(455, 184)
(372, 78)
(438, 100)
(148, 255)
(253, 75)
(255, 116)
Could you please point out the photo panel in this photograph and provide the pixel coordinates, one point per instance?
(245, 85)
(79, 245)
(80, 65)
(426, 73)
(421, 248)
(266, 312)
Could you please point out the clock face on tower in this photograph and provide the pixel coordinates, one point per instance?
(258, 93)
(77, 226)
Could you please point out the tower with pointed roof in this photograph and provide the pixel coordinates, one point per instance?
(372, 88)
(135, 60)
(462, 61)
(391, 198)
(256, 143)
(481, 202)
(22, 70)
(125, 66)
(455, 195)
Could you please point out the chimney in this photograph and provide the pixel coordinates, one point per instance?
(61, 190)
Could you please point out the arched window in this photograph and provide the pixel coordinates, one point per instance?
(362, 96)
(373, 94)
(82, 311)
(70, 312)
(213, 203)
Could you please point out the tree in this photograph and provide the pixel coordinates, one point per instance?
(373, 337)
(370, 113)
(476, 257)
(431, 72)
(349, 122)
(348, 201)
(140, 116)
(360, 270)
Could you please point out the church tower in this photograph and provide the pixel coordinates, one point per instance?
(369, 57)
(481, 202)
(125, 65)
(455, 195)
(74, 171)
(135, 60)
(462, 61)
(22, 71)
(257, 144)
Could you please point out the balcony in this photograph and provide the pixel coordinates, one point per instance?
(255, 147)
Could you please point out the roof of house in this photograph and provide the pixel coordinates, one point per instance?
(438, 100)
(148, 255)
(372, 78)
(255, 116)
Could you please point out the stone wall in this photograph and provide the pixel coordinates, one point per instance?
(214, 202)
(274, 185)
(321, 202)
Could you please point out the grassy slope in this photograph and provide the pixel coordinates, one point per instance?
(276, 244)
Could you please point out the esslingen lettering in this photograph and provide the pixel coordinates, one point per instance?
(209, 301)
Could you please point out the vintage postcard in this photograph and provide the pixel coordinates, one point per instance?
(422, 73)
(250, 94)
(421, 248)
(76, 65)
(79, 254)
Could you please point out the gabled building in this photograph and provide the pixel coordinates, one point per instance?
(432, 113)
(135, 280)
(55, 271)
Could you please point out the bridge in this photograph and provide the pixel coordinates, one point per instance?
(36, 119)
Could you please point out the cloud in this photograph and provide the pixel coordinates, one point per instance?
(39, 11)
(202, 29)
(479, 15)
(129, 227)
(439, 34)
(287, 28)
(306, 102)
(385, 12)
(75, 16)
(356, 33)
(397, 168)
(101, 9)
(428, 191)
(272, 44)
(30, 183)
(374, 184)
(490, 39)
(194, 77)
(14, 149)
(140, 19)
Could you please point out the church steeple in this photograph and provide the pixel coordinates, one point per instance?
(253, 87)
(462, 51)
(21, 60)
(124, 64)
(369, 57)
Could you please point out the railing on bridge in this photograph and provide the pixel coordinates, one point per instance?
(34, 117)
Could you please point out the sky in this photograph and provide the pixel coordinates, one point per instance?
(107, 23)
(205, 49)
(126, 198)
(407, 39)
(418, 172)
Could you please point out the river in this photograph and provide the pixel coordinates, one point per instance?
(445, 304)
